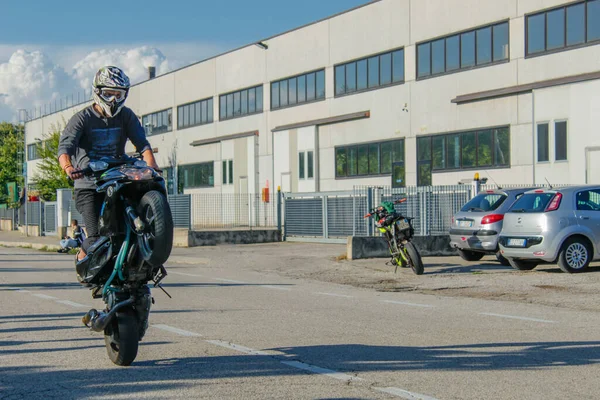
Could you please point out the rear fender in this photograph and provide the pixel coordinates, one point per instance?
(569, 232)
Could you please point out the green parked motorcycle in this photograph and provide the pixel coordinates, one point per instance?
(398, 232)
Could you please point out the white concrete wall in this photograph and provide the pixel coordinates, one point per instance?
(374, 28)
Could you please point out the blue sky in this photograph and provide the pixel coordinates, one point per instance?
(232, 22)
(51, 49)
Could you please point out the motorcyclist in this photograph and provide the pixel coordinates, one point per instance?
(100, 130)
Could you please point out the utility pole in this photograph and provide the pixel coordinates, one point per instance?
(22, 119)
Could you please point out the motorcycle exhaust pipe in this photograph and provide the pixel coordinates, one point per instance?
(100, 320)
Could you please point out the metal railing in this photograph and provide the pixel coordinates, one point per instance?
(60, 104)
(229, 211)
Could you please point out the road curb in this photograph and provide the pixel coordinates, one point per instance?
(28, 245)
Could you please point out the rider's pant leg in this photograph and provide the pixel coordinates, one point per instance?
(89, 204)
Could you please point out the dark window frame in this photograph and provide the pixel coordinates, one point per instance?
(547, 147)
(224, 117)
(566, 47)
(460, 67)
(494, 164)
(181, 169)
(348, 147)
(556, 122)
(366, 58)
(156, 113)
(192, 105)
(305, 101)
(36, 153)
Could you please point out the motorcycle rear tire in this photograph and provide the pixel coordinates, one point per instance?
(121, 338)
(414, 258)
(156, 244)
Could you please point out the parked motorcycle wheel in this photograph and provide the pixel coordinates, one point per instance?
(414, 258)
(121, 338)
(157, 241)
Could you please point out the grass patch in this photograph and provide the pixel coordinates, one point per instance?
(341, 257)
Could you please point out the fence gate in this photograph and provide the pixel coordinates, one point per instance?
(50, 218)
(321, 217)
(181, 205)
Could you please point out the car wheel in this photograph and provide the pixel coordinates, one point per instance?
(501, 259)
(522, 265)
(470, 255)
(575, 256)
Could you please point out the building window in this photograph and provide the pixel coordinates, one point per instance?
(482, 46)
(370, 159)
(306, 168)
(377, 71)
(560, 141)
(543, 144)
(196, 113)
(168, 176)
(158, 122)
(240, 103)
(563, 27)
(487, 148)
(32, 152)
(227, 172)
(294, 91)
(196, 175)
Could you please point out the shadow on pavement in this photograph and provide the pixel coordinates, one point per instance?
(176, 373)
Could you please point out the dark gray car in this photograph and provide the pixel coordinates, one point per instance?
(475, 228)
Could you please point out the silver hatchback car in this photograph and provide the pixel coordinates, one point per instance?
(476, 227)
(554, 225)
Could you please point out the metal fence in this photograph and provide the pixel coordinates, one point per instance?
(11, 214)
(34, 213)
(227, 211)
(50, 218)
(333, 216)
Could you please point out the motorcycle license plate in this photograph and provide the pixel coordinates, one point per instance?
(403, 224)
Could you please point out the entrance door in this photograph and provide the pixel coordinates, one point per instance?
(592, 167)
(286, 182)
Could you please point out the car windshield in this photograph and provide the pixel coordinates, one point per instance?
(531, 203)
(484, 202)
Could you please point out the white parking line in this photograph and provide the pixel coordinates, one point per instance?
(335, 295)
(239, 348)
(72, 303)
(517, 317)
(408, 304)
(176, 330)
(403, 393)
(321, 371)
(44, 296)
(276, 287)
(184, 274)
(227, 280)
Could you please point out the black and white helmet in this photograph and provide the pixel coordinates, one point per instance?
(110, 89)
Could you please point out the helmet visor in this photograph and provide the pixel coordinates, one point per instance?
(110, 94)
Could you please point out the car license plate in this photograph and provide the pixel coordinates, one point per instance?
(516, 242)
(403, 224)
(465, 224)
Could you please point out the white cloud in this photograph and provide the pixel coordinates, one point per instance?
(29, 78)
(134, 63)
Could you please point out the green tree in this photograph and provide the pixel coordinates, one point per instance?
(11, 151)
(50, 176)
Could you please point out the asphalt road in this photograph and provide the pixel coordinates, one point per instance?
(234, 332)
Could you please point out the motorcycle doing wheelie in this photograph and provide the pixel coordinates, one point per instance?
(136, 238)
(398, 232)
